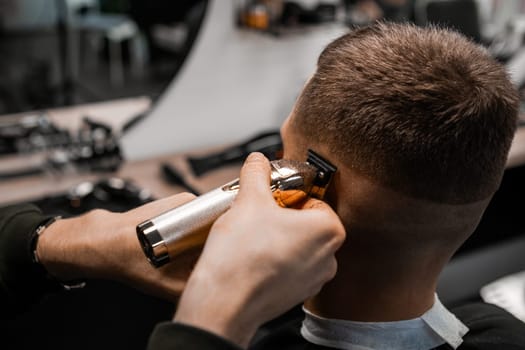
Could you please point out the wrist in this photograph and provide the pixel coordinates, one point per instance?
(52, 250)
(205, 307)
(64, 250)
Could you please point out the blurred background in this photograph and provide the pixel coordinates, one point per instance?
(55, 53)
(114, 103)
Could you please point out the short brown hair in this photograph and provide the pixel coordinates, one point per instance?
(423, 111)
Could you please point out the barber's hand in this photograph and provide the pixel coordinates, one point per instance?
(104, 245)
(259, 260)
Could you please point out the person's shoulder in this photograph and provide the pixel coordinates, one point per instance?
(490, 327)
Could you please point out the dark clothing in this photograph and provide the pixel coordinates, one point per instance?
(491, 328)
(23, 283)
(36, 312)
(169, 336)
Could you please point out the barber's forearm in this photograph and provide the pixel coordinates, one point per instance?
(104, 245)
(206, 304)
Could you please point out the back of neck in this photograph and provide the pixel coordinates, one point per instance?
(377, 290)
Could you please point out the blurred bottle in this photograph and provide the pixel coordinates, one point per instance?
(257, 16)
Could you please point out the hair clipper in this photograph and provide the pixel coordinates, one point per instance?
(164, 237)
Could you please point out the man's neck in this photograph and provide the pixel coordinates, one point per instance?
(381, 293)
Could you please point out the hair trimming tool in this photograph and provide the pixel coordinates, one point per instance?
(164, 237)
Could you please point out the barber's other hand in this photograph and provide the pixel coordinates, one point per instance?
(259, 260)
(104, 245)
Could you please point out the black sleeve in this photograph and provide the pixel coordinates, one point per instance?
(490, 327)
(170, 335)
(22, 282)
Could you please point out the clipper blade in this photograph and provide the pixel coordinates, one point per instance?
(325, 173)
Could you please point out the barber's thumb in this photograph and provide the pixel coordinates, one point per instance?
(255, 178)
(326, 216)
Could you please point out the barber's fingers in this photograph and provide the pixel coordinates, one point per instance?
(321, 209)
(325, 271)
(313, 203)
(149, 210)
(255, 179)
(319, 214)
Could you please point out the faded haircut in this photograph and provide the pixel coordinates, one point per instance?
(423, 111)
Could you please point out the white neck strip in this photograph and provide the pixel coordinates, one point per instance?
(435, 327)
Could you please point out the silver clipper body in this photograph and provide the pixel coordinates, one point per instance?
(168, 235)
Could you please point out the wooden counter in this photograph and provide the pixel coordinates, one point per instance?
(145, 174)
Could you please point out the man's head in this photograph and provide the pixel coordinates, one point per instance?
(419, 122)
(420, 110)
